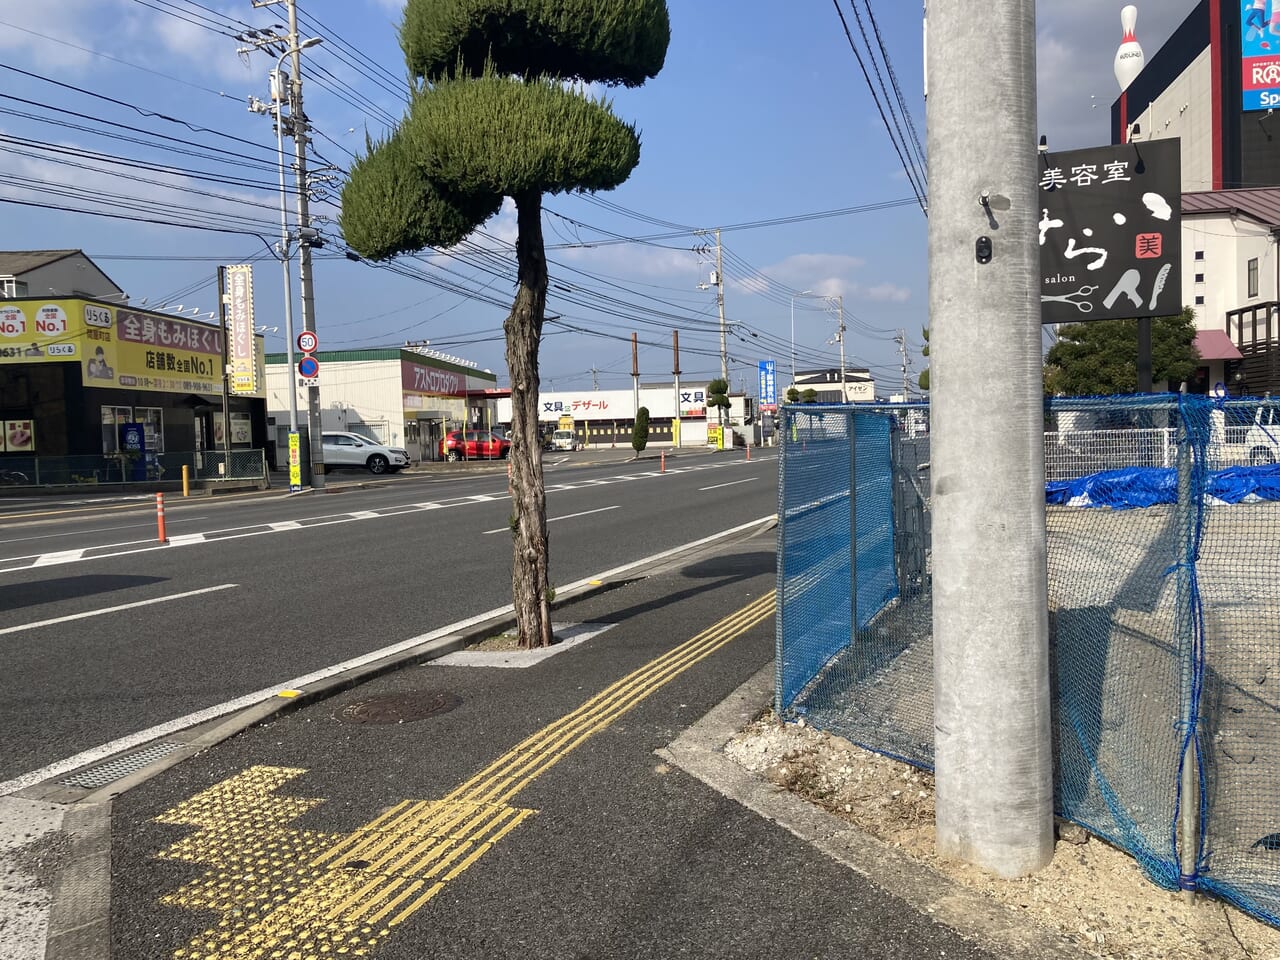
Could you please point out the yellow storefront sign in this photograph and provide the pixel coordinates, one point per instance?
(117, 346)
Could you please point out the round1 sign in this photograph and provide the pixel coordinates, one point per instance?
(309, 368)
(308, 341)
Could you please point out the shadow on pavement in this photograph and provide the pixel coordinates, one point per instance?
(64, 588)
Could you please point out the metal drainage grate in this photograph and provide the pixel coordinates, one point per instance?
(119, 767)
(400, 707)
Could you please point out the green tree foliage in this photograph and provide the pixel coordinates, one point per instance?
(923, 381)
(809, 396)
(718, 395)
(1102, 357)
(498, 110)
(640, 432)
(793, 395)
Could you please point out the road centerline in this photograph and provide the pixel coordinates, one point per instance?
(567, 516)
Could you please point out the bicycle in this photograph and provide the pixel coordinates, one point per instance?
(13, 478)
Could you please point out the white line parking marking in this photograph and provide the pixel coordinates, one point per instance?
(124, 606)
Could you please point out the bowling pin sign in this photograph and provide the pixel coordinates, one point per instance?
(1129, 58)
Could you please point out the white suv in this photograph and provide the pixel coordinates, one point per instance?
(354, 450)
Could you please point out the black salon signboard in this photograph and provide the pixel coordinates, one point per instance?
(1110, 232)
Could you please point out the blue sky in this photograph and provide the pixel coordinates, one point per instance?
(760, 114)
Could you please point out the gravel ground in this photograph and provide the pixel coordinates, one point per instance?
(1091, 892)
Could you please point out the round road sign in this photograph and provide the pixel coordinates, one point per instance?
(308, 341)
(309, 367)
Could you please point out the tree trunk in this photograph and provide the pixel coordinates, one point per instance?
(529, 559)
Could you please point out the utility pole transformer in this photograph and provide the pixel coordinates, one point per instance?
(991, 669)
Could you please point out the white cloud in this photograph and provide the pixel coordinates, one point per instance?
(67, 20)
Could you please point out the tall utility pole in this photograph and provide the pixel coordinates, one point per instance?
(675, 372)
(724, 339)
(901, 340)
(992, 746)
(839, 299)
(635, 376)
(305, 236)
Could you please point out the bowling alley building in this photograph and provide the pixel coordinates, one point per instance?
(1210, 86)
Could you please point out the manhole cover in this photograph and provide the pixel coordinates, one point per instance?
(400, 707)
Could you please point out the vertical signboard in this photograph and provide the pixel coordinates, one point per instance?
(244, 367)
(1259, 55)
(768, 385)
(1110, 232)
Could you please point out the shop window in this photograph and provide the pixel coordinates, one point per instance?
(152, 420)
(112, 417)
(1253, 277)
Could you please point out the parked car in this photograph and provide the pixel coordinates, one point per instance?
(356, 450)
(476, 445)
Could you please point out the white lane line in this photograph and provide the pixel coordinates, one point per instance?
(81, 533)
(108, 551)
(63, 556)
(86, 757)
(567, 516)
(732, 483)
(105, 610)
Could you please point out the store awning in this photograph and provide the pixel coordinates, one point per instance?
(195, 400)
(1216, 345)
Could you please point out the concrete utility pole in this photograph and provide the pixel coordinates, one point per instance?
(844, 393)
(901, 340)
(635, 377)
(306, 234)
(724, 341)
(991, 668)
(675, 373)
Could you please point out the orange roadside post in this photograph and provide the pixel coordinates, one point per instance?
(160, 534)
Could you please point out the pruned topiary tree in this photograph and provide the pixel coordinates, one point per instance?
(640, 432)
(499, 111)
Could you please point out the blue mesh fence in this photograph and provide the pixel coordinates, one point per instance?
(1163, 532)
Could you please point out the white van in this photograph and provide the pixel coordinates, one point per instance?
(564, 440)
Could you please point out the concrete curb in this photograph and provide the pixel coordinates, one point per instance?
(699, 751)
(80, 913)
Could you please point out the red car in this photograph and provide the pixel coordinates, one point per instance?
(478, 445)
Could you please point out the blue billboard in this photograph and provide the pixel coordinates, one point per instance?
(768, 385)
(1259, 54)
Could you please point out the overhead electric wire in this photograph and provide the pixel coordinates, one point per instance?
(897, 91)
(907, 167)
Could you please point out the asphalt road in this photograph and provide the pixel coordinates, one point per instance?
(587, 845)
(104, 633)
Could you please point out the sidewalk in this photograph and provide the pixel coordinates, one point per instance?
(503, 812)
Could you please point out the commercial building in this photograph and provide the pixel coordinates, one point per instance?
(403, 396)
(606, 418)
(78, 364)
(1214, 86)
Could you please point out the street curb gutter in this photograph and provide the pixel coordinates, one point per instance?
(699, 751)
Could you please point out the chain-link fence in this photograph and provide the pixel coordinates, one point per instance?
(1163, 524)
(233, 465)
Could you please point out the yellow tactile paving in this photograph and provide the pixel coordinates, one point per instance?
(289, 894)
